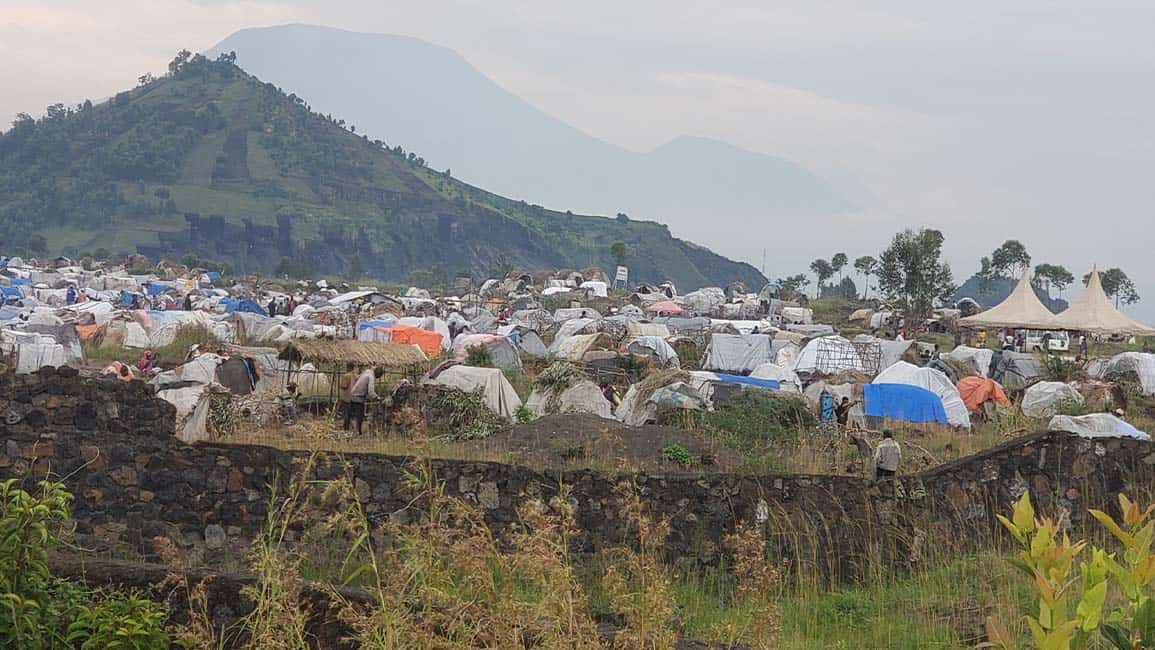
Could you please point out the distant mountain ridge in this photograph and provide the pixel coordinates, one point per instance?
(430, 100)
(212, 162)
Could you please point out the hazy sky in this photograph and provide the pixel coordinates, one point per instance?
(989, 120)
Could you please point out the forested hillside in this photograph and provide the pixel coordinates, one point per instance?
(210, 161)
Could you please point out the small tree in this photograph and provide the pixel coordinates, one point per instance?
(912, 273)
(1052, 275)
(823, 271)
(1010, 258)
(866, 265)
(1116, 285)
(619, 251)
(838, 262)
(985, 275)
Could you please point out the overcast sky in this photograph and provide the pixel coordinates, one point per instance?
(989, 120)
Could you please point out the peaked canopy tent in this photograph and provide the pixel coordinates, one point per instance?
(1022, 310)
(1093, 312)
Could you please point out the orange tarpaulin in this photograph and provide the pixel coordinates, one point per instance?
(85, 332)
(977, 390)
(429, 342)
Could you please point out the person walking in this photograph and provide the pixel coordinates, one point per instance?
(345, 388)
(364, 390)
(887, 456)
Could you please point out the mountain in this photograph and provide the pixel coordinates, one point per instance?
(431, 100)
(211, 162)
(997, 291)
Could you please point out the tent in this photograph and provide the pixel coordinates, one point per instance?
(429, 342)
(499, 395)
(786, 378)
(932, 380)
(1042, 400)
(574, 348)
(1096, 425)
(1093, 312)
(978, 359)
(903, 402)
(243, 305)
(1015, 370)
(665, 307)
(976, 391)
(1022, 309)
(1140, 363)
(502, 352)
(829, 355)
(584, 396)
(737, 353)
(657, 347)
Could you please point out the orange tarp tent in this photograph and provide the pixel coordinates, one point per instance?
(429, 342)
(85, 332)
(977, 390)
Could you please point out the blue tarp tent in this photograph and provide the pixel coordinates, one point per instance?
(366, 324)
(769, 384)
(247, 305)
(902, 402)
(20, 282)
(156, 288)
(213, 276)
(11, 292)
(126, 298)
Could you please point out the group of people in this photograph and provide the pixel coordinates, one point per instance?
(357, 389)
(836, 414)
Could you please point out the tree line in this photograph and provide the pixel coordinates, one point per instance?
(911, 275)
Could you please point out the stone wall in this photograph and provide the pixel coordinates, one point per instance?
(113, 444)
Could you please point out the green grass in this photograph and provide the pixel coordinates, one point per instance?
(834, 311)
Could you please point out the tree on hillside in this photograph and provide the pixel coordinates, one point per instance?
(844, 289)
(619, 251)
(866, 265)
(912, 273)
(823, 271)
(37, 244)
(1010, 258)
(1116, 285)
(985, 275)
(838, 262)
(1052, 275)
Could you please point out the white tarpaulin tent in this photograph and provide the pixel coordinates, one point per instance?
(829, 355)
(737, 353)
(1041, 400)
(1093, 312)
(583, 397)
(784, 375)
(932, 380)
(1140, 363)
(977, 358)
(499, 395)
(1021, 309)
(1096, 425)
(657, 347)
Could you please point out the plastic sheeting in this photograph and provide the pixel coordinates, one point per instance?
(635, 329)
(499, 395)
(977, 358)
(656, 347)
(679, 395)
(829, 355)
(633, 410)
(903, 402)
(574, 348)
(502, 353)
(1096, 425)
(737, 353)
(583, 397)
(31, 357)
(976, 391)
(575, 326)
(786, 378)
(1041, 400)
(704, 300)
(932, 380)
(1137, 362)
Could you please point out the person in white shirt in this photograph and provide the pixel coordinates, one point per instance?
(886, 456)
(364, 390)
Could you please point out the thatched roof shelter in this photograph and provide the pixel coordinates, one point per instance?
(360, 353)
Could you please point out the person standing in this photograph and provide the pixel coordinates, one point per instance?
(887, 456)
(345, 392)
(188, 305)
(364, 390)
(842, 411)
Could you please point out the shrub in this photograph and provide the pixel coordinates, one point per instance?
(755, 417)
(465, 416)
(1057, 368)
(478, 356)
(676, 453)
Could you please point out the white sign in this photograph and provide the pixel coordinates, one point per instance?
(623, 275)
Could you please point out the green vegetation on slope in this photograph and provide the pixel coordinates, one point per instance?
(210, 161)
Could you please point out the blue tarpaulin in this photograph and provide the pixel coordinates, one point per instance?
(769, 384)
(156, 288)
(236, 304)
(366, 324)
(11, 292)
(20, 282)
(126, 298)
(902, 402)
(213, 276)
